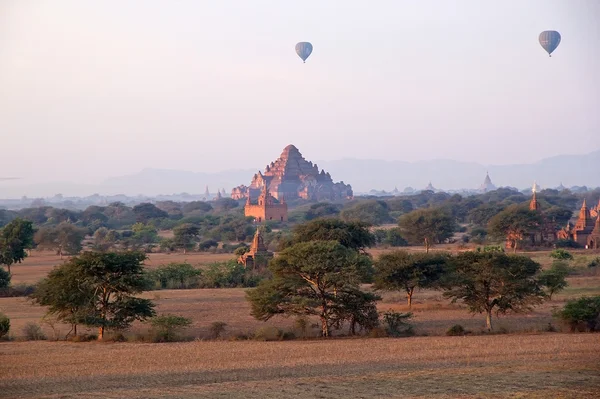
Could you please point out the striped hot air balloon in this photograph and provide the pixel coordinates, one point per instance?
(304, 49)
(550, 39)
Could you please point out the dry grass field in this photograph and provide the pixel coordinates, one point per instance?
(504, 366)
(525, 363)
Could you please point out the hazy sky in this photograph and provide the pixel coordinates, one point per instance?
(90, 89)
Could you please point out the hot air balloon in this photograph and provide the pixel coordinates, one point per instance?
(303, 49)
(550, 39)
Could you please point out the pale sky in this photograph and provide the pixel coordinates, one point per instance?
(91, 89)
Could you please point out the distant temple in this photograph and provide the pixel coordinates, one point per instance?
(585, 232)
(487, 185)
(266, 207)
(258, 256)
(291, 176)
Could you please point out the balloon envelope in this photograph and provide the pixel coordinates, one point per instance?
(303, 49)
(550, 39)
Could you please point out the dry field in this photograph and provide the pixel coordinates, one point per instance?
(503, 366)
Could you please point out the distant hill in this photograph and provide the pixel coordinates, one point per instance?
(364, 175)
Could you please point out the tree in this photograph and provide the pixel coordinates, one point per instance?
(554, 278)
(104, 239)
(488, 281)
(514, 223)
(403, 271)
(372, 212)
(15, 238)
(199, 207)
(145, 212)
(106, 283)
(358, 308)
(581, 314)
(322, 209)
(310, 278)
(67, 297)
(66, 238)
(427, 226)
(185, 236)
(353, 235)
(4, 278)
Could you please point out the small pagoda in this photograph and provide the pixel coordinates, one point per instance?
(258, 256)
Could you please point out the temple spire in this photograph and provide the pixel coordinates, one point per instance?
(534, 205)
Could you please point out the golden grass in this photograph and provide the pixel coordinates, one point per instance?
(37, 266)
(543, 365)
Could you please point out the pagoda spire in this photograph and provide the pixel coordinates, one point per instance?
(534, 205)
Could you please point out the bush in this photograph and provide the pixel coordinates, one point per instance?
(19, 290)
(566, 244)
(175, 276)
(594, 263)
(456, 330)
(168, 326)
(378, 332)
(83, 338)
(207, 244)
(581, 314)
(217, 328)
(396, 325)
(4, 278)
(561, 254)
(301, 324)
(4, 325)
(33, 332)
(268, 333)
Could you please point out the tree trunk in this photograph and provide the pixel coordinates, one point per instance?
(75, 329)
(515, 247)
(184, 251)
(488, 320)
(8, 266)
(426, 245)
(324, 327)
(100, 333)
(409, 294)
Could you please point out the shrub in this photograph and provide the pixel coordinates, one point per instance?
(175, 276)
(33, 332)
(581, 314)
(217, 328)
(268, 333)
(561, 254)
(4, 325)
(19, 290)
(83, 338)
(4, 278)
(456, 330)
(396, 325)
(566, 244)
(554, 278)
(168, 326)
(594, 263)
(207, 244)
(378, 332)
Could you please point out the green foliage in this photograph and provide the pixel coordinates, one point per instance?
(514, 223)
(353, 235)
(487, 281)
(357, 308)
(241, 250)
(390, 237)
(196, 207)
(554, 278)
(4, 279)
(185, 236)
(561, 254)
(322, 209)
(175, 276)
(104, 239)
(217, 328)
(403, 271)
(456, 330)
(4, 325)
(100, 286)
(229, 275)
(145, 212)
(168, 327)
(581, 314)
(371, 212)
(307, 278)
(566, 244)
(595, 262)
(491, 248)
(207, 244)
(15, 238)
(396, 324)
(33, 332)
(478, 235)
(427, 226)
(65, 238)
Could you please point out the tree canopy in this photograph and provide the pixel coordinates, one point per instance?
(314, 278)
(427, 226)
(514, 223)
(353, 235)
(488, 281)
(15, 238)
